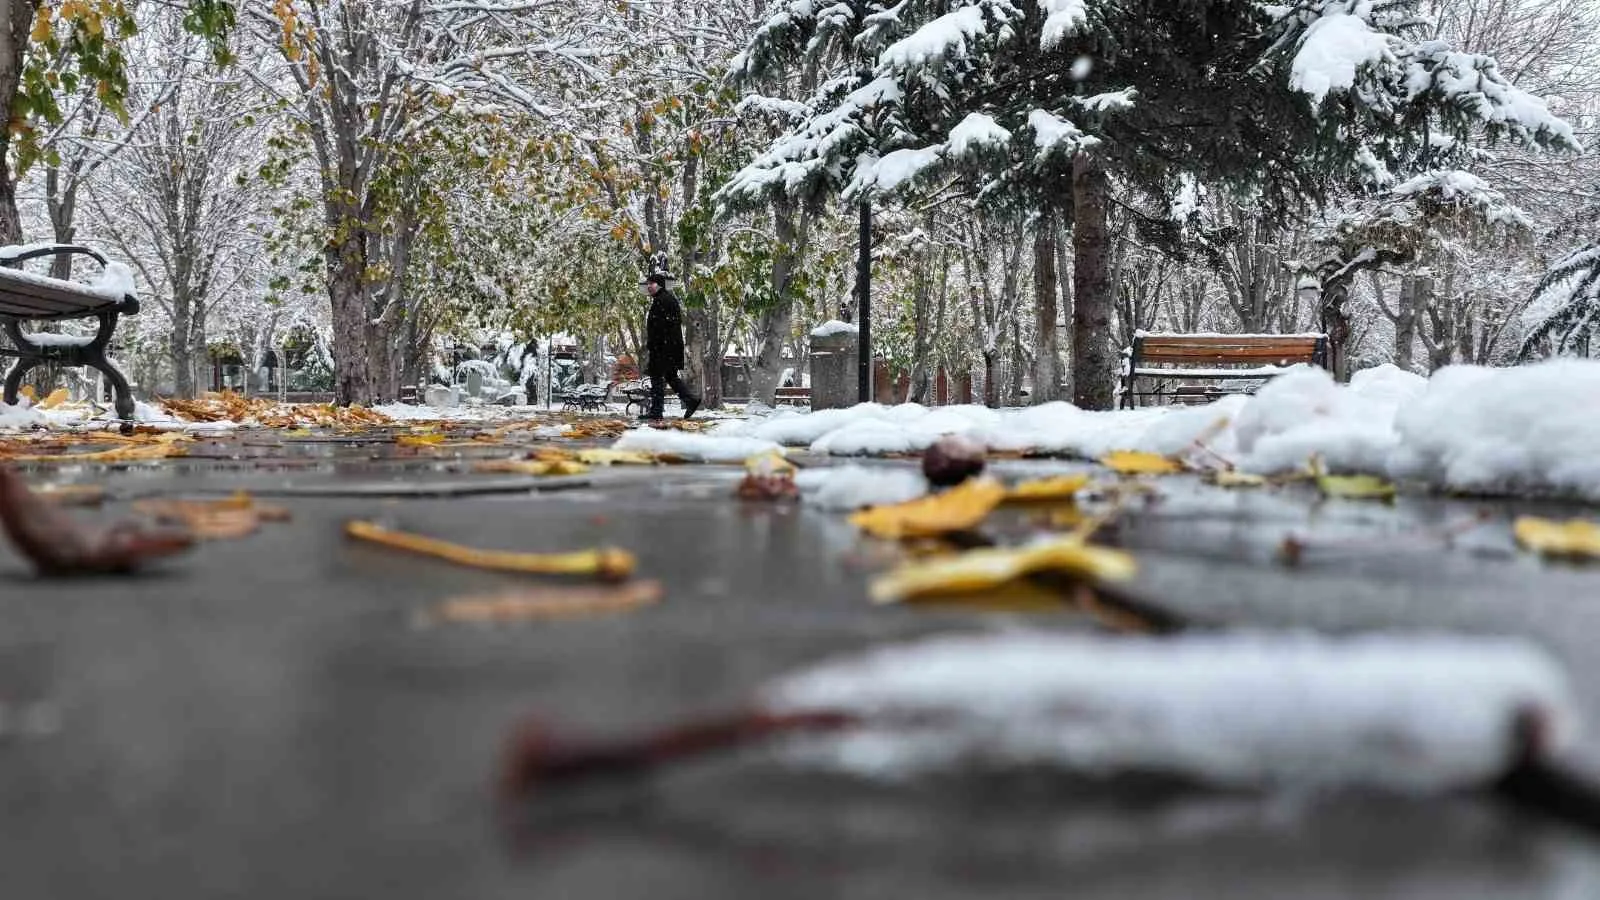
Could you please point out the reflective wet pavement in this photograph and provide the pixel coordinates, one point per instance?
(265, 718)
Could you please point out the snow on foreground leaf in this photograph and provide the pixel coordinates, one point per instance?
(1526, 430)
(1411, 713)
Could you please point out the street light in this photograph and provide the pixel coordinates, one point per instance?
(864, 293)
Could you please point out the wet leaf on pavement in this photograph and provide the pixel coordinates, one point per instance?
(532, 604)
(990, 567)
(1573, 539)
(57, 544)
(1138, 462)
(607, 563)
(961, 508)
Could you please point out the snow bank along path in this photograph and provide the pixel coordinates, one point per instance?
(1527, 430)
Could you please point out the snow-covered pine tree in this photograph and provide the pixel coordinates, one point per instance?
(1042, 103)
(1566, 307)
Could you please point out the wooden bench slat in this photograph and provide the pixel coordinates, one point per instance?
(1201, 360)
(1213, 357)
(1168, 348)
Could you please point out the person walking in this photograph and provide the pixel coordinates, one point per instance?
(664, 342)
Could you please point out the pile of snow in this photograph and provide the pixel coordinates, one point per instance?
(849, 488)
(23, 415)
(1411, 713)
(831, 328)
(1527, 430)
(698, 447)
(80, 416)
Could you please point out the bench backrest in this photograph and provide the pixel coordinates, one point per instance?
(1213, 350)
(793, 392)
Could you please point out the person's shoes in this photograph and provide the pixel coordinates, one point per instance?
(648, 417)
(690, 405)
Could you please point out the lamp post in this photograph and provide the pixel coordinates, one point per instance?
(864, 313)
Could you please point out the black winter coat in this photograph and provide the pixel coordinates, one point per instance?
(663, 333)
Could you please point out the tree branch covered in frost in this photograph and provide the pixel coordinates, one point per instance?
(1564, 311)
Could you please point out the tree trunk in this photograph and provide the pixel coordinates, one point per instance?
(1094, 363)
(182, 347)
(921, 326)
(351, 317)
(1047, 343)
(1405, 324)
(16, 20)
(774, 323)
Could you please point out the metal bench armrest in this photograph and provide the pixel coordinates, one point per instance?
(43, 250)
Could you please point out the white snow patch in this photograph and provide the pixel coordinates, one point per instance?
(934, 42)
(849, 488)
(1334, 49)
(833, 327)
(975, 134)
(1413, 713)
(116, 280)
(1062, 18)
(1529, 429)
(699, 447)
(1053, 134)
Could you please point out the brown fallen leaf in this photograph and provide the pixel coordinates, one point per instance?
(533, 604)
(72, 494)
(56, 544)
(607, 563)
(233, 517)
(530, 467)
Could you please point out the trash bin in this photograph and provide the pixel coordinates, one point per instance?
(834, 380)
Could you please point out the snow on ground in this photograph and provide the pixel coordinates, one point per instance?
(699, 447)
(849, 488)
(79, 416)
(1527, 430)
(1412, 712)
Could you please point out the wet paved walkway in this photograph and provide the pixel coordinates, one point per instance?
(264, 717)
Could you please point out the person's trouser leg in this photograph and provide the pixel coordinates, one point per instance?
(679, 387)
(658, 392)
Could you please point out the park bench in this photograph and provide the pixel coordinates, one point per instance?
(637, 393)
(26, 297)
(1173, 362)
(794, 396)
(587, 397)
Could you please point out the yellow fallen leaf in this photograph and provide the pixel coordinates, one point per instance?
(1060, 487)
(601, 457)
(30, 393)
(419, 440)
(1012, 596)
(1138, 462)
(961, 508)
(298, 433)
(1238, 480)
(1574, 539)
(129, 453)
(989, 567)
(56, 398)
(769, 464)
(531, 467)
(1355, 487)
(608, 563)
(525, 604)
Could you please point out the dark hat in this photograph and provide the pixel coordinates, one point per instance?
(656, 278)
